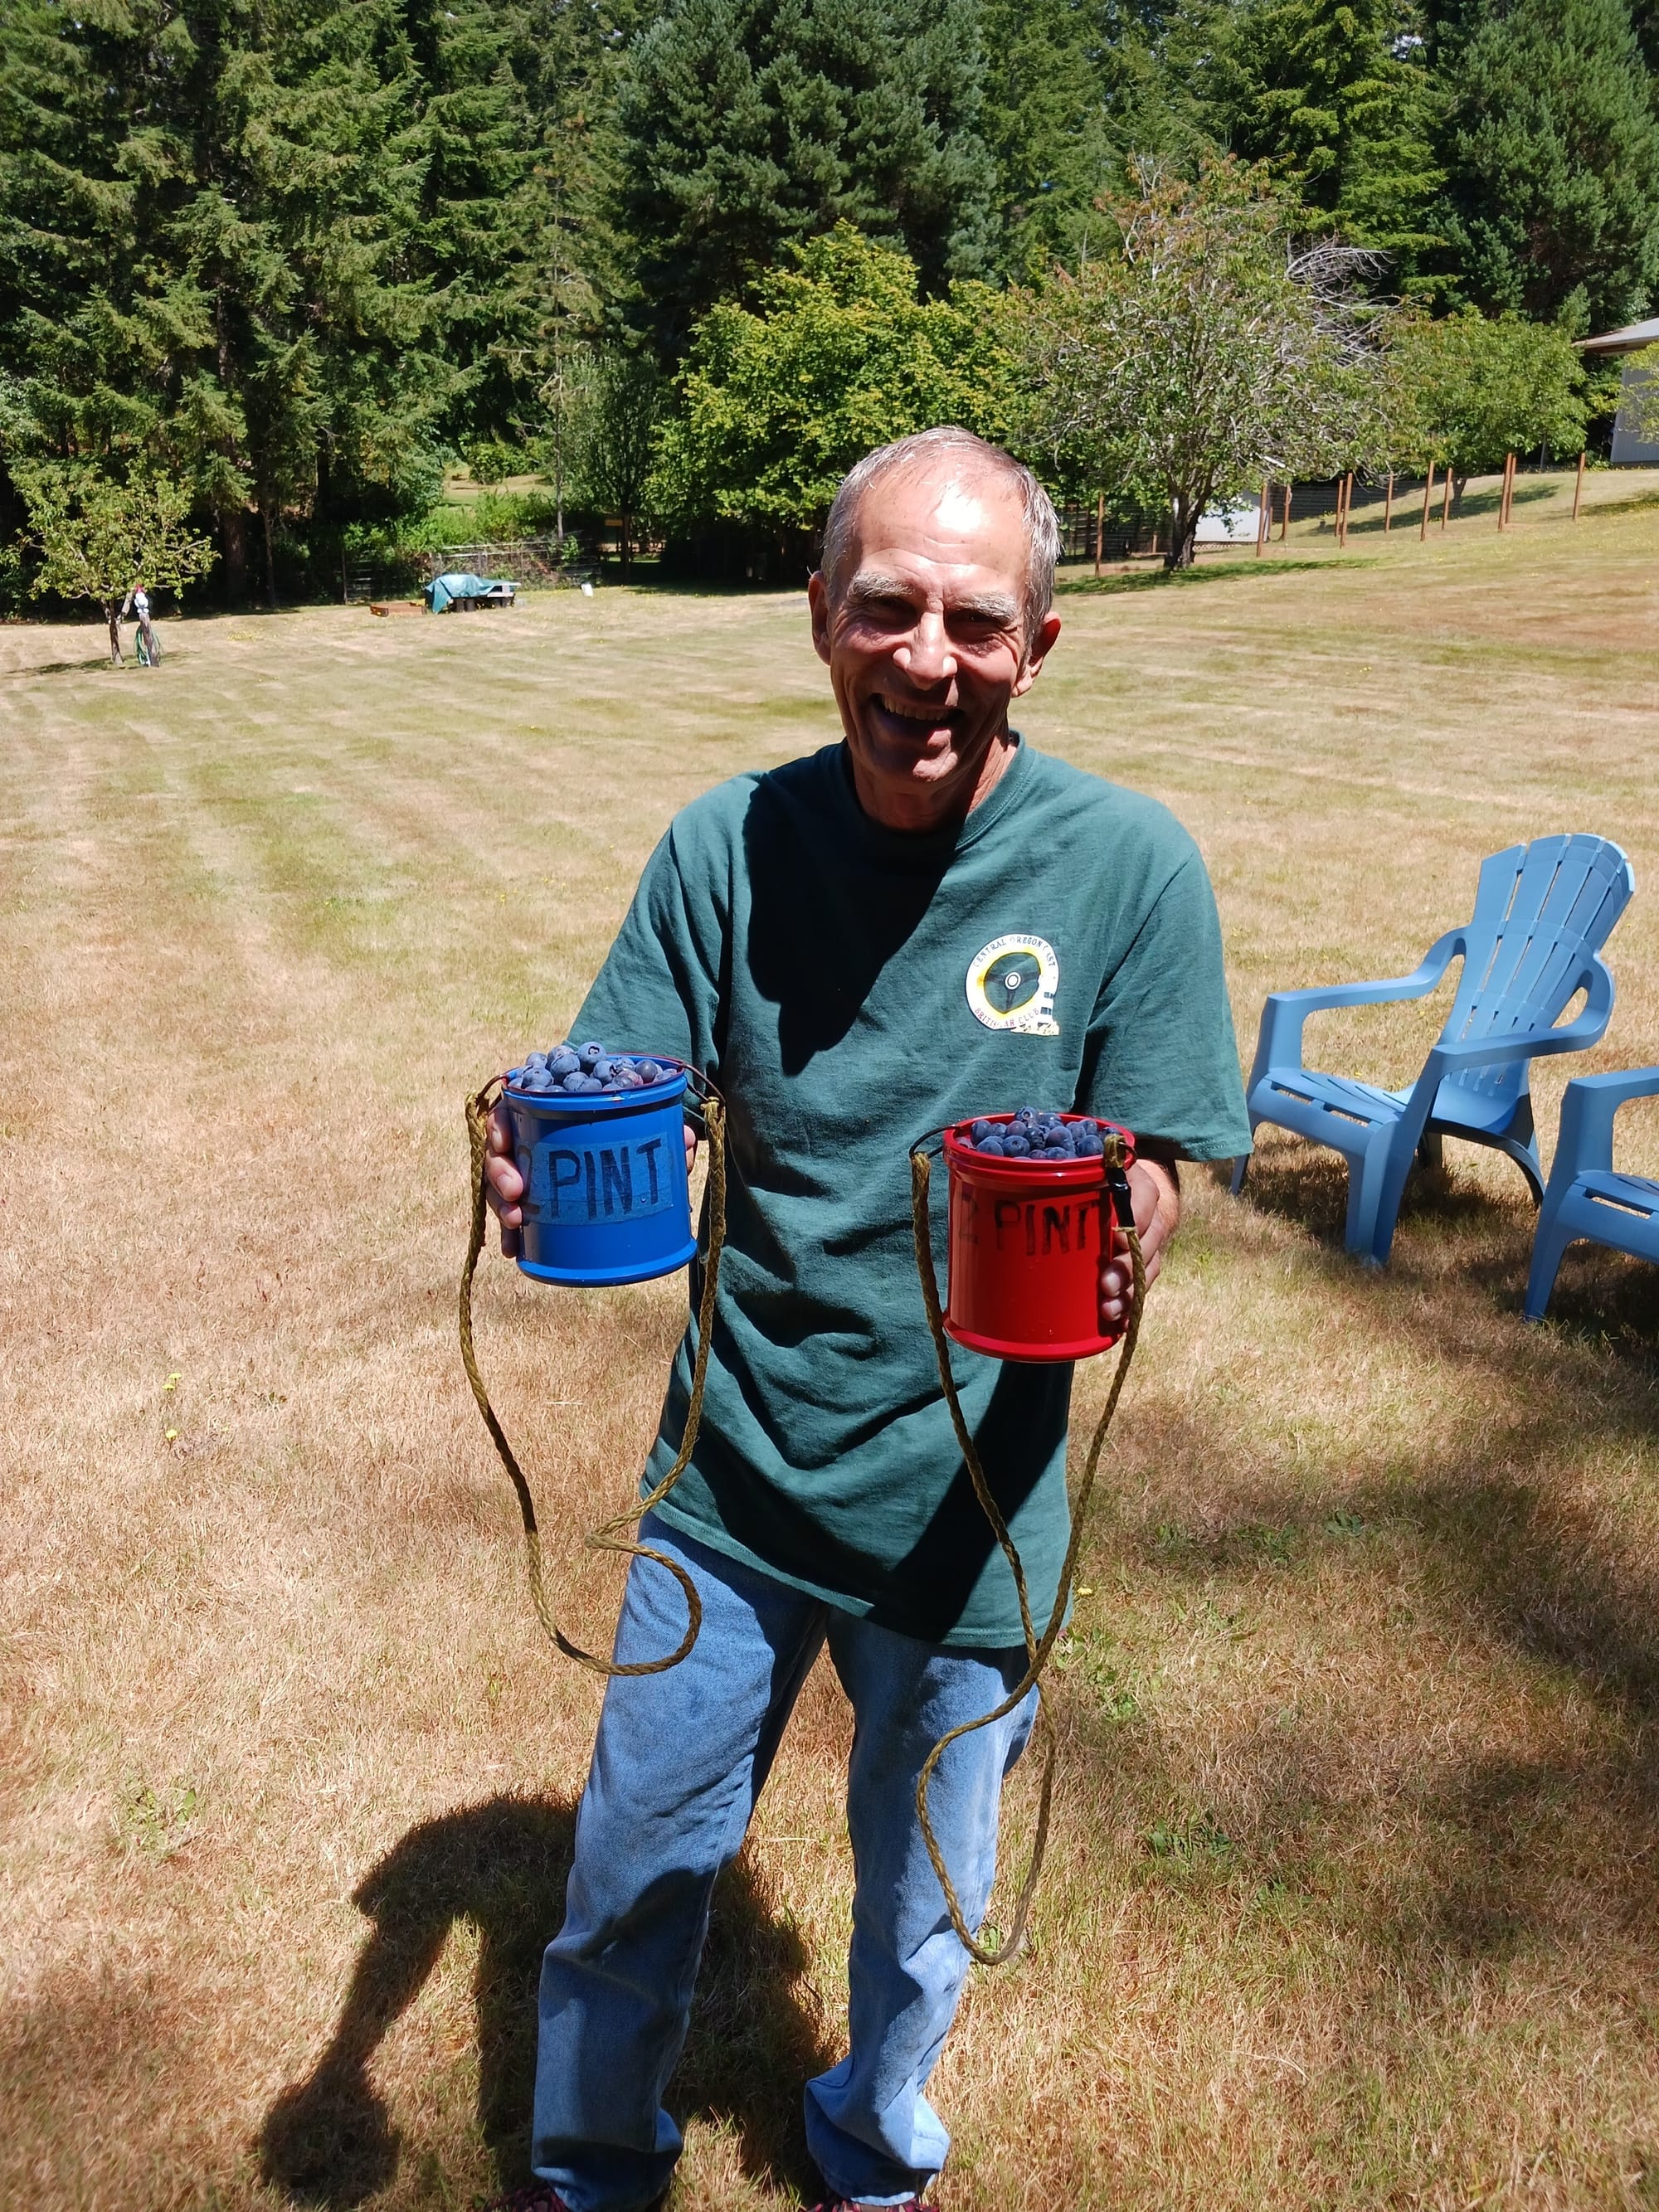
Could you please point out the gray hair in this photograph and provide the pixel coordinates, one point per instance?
(1042, 524)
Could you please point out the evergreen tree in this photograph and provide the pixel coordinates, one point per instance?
(1551, 148)
(1047, 124)
(749, 125)
(1335, 95)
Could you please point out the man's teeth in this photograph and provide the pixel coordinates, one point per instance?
(932, 718)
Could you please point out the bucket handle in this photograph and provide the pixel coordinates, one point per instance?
(1115, 1185)
(607, 1536)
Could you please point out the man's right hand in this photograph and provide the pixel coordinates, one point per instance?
(504, 1185)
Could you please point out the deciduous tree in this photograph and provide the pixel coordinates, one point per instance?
(1477, 390)
(838, 354)
(1208, 352)
(98, 538)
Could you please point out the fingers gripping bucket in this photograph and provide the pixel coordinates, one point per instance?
(1027, 1238)
(606, 1196)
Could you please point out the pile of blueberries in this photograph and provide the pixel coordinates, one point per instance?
(577, 1068)
(1033, 1135)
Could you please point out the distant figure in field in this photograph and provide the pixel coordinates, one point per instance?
(137, 605)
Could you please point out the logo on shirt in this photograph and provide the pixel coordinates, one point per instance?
(1012, 985)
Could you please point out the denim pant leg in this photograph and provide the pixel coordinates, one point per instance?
(872, 2132)
(679, 1761)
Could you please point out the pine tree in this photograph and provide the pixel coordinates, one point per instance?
(1551, 148)
(1335, 95)
(747, 126)
(1048, 125)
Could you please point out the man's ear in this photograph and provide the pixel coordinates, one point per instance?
(1040, 647)
(817, 600)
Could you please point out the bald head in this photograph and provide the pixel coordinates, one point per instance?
(955, 465)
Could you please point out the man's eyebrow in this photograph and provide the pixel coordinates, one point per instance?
(871, 584)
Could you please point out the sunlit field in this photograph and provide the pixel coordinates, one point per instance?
(1354, 1900)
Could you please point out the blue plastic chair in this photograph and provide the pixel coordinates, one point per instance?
(1542, 913)
(1585, 1198)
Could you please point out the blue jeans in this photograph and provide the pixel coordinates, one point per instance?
(680, 1761)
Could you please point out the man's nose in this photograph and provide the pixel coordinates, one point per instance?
(926, 656)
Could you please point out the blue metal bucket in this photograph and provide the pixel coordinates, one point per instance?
(606, 1199)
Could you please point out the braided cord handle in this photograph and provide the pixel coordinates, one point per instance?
(1037, 1650)
(607, 1536)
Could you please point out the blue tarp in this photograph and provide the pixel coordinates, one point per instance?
(443, 590)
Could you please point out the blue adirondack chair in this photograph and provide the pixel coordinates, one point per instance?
(1585, 1197)
(1542, 913)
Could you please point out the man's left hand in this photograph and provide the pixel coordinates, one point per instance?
(1155, 1195)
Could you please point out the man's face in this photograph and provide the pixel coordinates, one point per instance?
(925, 640)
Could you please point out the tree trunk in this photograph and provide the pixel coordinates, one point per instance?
(627, 543)
(233, 531)
(1459, 483)
(1184, 511)
(270, 561)
(112, 617)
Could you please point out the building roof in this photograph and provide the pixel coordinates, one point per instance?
(1625, 341)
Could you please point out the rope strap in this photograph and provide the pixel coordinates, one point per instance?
(607, 1537)
(1036, 1648)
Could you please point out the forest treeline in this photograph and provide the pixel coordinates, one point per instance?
(300, 257)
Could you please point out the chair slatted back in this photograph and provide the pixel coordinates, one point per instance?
(1541, 911)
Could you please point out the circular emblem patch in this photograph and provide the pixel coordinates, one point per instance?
(1012, 985)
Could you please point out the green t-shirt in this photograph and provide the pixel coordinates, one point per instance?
(849, 987)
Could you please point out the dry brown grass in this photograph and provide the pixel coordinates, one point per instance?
(1353, 1900)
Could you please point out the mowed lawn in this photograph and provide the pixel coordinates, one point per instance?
(1354, 1895)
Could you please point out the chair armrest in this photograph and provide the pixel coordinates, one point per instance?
(1283, 1016)
(1588, 1107)
(1536, 1044)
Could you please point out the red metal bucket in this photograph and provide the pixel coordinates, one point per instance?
(1027, 1238)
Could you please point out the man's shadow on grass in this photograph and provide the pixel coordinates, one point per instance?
(756, 2030)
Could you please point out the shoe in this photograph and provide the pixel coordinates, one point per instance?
(534, 2196)
(852, 2204)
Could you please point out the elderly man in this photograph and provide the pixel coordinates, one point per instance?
(926, 920)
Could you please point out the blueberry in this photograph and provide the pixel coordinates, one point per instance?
(1057, 1141)
(572, 1082)
(562, 1061)
(992, 1146)
(647, 1071)
(629, 1078)
(590, 1084)
(980, 1131)
(539, 1083)
(590, 1056)
(1016, 1144)
(1090, 1146)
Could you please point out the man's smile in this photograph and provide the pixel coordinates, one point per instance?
(915, 717)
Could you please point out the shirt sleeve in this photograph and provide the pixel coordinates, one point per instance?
(664, 981)
(1161, 1056)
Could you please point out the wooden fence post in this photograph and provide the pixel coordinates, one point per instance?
(1504, 494)
(1579, 489)
(1428, 496)
(1100, 526)
(1387, 506)
(1263, 516)
(1445, 503)
(1285, 517)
